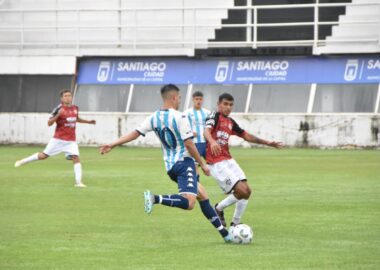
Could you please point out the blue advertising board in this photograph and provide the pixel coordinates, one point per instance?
(256, 70)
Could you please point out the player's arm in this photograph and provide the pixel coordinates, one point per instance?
(80, 120)
(214, 146)
(190, 146)
(52, 120)
(253, 139)
(142, 130)
(211, 122)
(122, 140)
(54, 116)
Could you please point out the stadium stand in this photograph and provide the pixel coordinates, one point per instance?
(44, 44)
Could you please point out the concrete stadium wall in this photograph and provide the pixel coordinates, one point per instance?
(323, 131)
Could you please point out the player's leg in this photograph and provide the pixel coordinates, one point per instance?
(242, 191)
(71, 149)
(183, 172)
(51, 149)
(201, 147)
(226, 179)
(209, 212)
(77, 171)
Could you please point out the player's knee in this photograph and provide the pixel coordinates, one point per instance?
(192, 201)
(242, 191)
(247, 193)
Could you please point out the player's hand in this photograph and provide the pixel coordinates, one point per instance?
(277, 145)
(105, 148)
(215, 148)
(205, 169)
(92, 122)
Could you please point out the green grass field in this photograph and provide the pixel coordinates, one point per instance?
(311, 209)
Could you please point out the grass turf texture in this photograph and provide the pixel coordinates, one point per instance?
(311, 209)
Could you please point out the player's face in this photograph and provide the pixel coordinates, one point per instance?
(225, 107)
(67, 98)
(176, 100)
(198, 102)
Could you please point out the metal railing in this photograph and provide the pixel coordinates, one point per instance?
(119, 43)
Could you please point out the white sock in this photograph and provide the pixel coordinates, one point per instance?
(78, 173)
(240, 207)
(230, 199)
(31, 158)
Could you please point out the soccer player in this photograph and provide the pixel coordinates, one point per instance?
(65, 115)
(173, 130)
(228, 174)
(197, 118)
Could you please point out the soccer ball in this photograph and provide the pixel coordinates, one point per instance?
(241, 234)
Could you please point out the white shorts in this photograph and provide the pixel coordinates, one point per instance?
(227, 173)
(57, 146)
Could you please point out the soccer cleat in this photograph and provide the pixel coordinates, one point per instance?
(220, 215)
(228, 238)
(18, 163)
(148, 202)
(80, 185)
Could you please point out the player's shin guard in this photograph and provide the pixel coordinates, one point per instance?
(240, 207)
(78, 173)
(173, 200)
(209, 212)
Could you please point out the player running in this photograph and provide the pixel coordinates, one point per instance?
(174, 132)
(65, 115)
(197, 117)
(228, 174)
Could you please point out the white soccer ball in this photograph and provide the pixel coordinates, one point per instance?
(241, 234)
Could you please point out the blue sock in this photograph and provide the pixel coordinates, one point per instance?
(173, 200)
(209, 212)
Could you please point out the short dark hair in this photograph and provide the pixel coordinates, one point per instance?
(168, 88)
(64, 91)
(197, 94)
(226, 96)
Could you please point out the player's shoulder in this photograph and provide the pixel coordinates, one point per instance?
(59, 106)
(213, 114)
(55, 110)
(231, 119)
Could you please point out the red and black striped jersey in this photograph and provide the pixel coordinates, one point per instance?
(222, 128)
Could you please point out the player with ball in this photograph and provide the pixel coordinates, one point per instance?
(226, 171)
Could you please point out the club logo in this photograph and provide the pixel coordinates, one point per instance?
(104, 71)
(351, 71)
(221, 71)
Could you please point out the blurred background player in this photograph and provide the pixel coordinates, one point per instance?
(226, 171)
(174, 132)
(197, 117)
(66, 116)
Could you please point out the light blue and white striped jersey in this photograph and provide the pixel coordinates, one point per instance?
(172, 129)
(197, 119)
